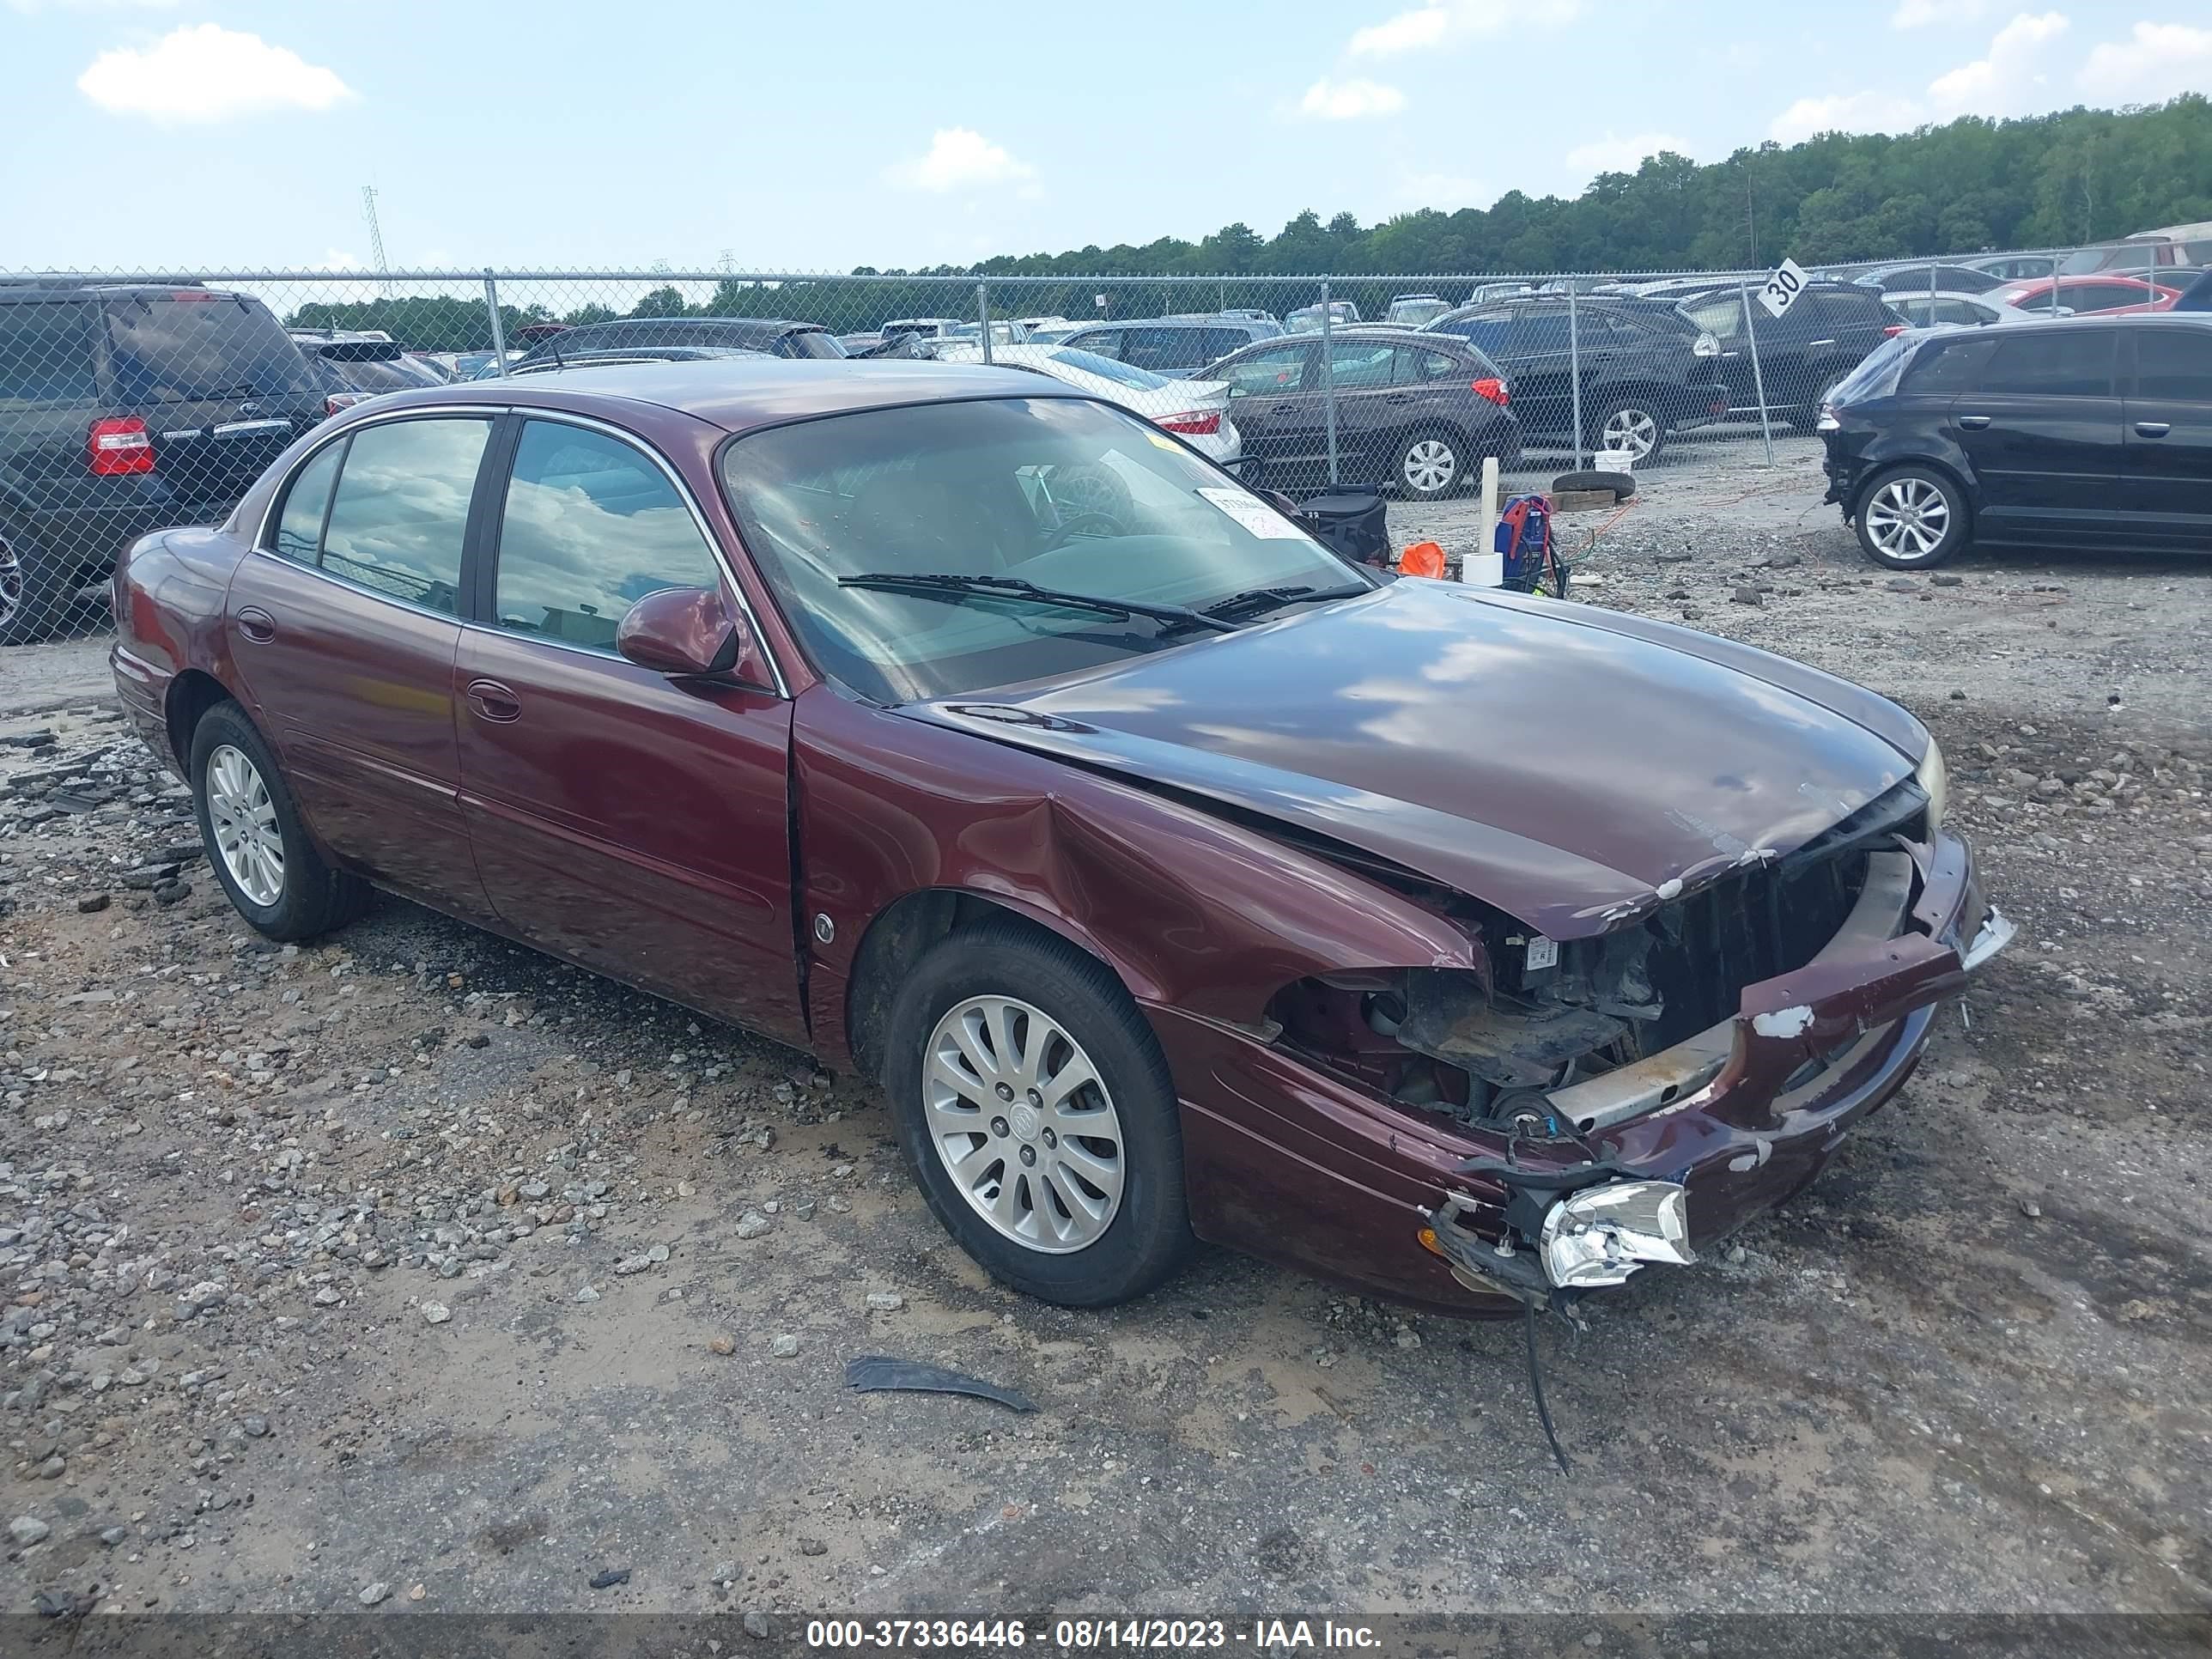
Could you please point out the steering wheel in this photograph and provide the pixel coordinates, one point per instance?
(1083, 524)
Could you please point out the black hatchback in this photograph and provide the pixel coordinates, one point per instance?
(2079, 433)
(124, 409)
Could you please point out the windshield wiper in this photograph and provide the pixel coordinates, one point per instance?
(1260, 599)
(946, 581)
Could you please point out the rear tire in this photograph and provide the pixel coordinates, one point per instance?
(257, 843)
(1087, 1217)
(33, 597)
(1429, 465)
(1911, 518)
(1630, 423)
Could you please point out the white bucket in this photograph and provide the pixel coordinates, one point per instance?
(1613, 460)
(1483, 570)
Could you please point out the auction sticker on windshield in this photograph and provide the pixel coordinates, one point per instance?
(1256, 516)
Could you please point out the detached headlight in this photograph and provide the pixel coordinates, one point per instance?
(1935, 777)
(1600, 1235)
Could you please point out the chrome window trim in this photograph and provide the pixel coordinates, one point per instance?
(492, 412)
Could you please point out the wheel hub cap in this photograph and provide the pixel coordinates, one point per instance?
(243, 819)
(1908, 518)
(1430, 464)
(1048, 1170)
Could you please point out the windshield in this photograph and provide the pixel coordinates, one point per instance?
(1108, 368)
(198, 344)
(1062, 493)
(1413, 313)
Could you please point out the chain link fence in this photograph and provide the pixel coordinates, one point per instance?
(137, 401)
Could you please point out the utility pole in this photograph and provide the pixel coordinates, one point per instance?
(375, 239)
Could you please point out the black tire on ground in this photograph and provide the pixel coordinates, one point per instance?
(314, 897)
(1911, 518)
(34, 599)
(1639, 418)
(1439, 458)
(1148, 1236)
(1622, 484)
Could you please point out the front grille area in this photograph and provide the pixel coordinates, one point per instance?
(1764, 920)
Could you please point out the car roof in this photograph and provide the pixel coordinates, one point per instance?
(1195, 321)
(739, 394)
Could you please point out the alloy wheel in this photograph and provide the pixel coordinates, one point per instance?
(1634, 430)
(11, 584)
(244, 819)
(1022, 1121)
(1429, 465)
(1908, 518)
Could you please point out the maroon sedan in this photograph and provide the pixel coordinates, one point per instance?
(1176, 879)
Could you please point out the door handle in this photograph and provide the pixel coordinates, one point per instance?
(257, 624)
(1399, 397)
(2153, 428)
(494, 702)
(1973, 423)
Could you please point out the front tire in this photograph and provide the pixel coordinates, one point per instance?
(1429, 465)
(1911, 518)
(1035, 1112)
(257, 843)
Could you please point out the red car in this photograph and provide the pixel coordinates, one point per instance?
(2109, 291)
(1176, 878)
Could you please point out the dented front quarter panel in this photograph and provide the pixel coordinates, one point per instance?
(1192, 912)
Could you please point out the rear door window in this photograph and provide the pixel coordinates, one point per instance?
(1106, 342)
(196, 345)
(1359, 364)
(1486, 334)
(299, 526)
(1541, 335)
(400, 512)
(1417, 365)
(1721, 316)
(2105, 297)
(2067, 363)
(1170, 351)
(2174, 364)
(47, 352)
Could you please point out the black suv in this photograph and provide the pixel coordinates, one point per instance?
(126, 409)
(1802, 354)
(1643, 375)
(2085, 432)
(777, 337)
(1177, 347)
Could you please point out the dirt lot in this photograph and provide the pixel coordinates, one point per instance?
(414, 1269)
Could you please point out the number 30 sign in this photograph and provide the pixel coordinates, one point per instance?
(1781, 290)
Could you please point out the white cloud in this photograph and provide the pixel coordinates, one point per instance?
(2013, 78)
(959, 158)
(1919, 13)
(1448, 20)
(1614, 154)
(2156, 61)
(2009, 81)
(1856, 112)
(1350, 101)
(208, 73)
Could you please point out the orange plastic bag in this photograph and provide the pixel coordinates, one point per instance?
(1422, 559)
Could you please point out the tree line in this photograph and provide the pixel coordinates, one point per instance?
(1970, 185)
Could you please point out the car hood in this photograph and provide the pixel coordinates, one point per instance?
(1567, 765)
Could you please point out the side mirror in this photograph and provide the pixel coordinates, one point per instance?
(683, 630)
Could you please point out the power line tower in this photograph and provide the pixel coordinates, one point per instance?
(375, 239)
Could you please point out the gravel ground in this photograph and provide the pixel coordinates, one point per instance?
(412, 1270)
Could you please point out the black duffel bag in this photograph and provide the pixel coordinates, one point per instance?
(1351, 523)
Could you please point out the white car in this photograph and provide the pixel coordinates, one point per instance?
(1196, 410)
(1972, 310)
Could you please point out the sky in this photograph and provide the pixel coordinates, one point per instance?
(225, 134)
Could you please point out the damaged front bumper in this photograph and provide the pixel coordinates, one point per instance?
(1696, 1140)
(1693, 1141)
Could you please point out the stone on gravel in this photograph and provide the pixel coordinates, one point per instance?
(27, 1530)
(885, 1301)
(372, 1593)
(752, 1224)
(93, 904)
(436, 1313)
(784, 1346)
(756, 1624)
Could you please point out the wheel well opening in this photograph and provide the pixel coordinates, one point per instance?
(896, 940)
(191, 696)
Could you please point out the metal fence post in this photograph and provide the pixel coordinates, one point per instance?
(983, 316)
(1574, 368)
(1758, 374)
(498, 334)
(1327, 384)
